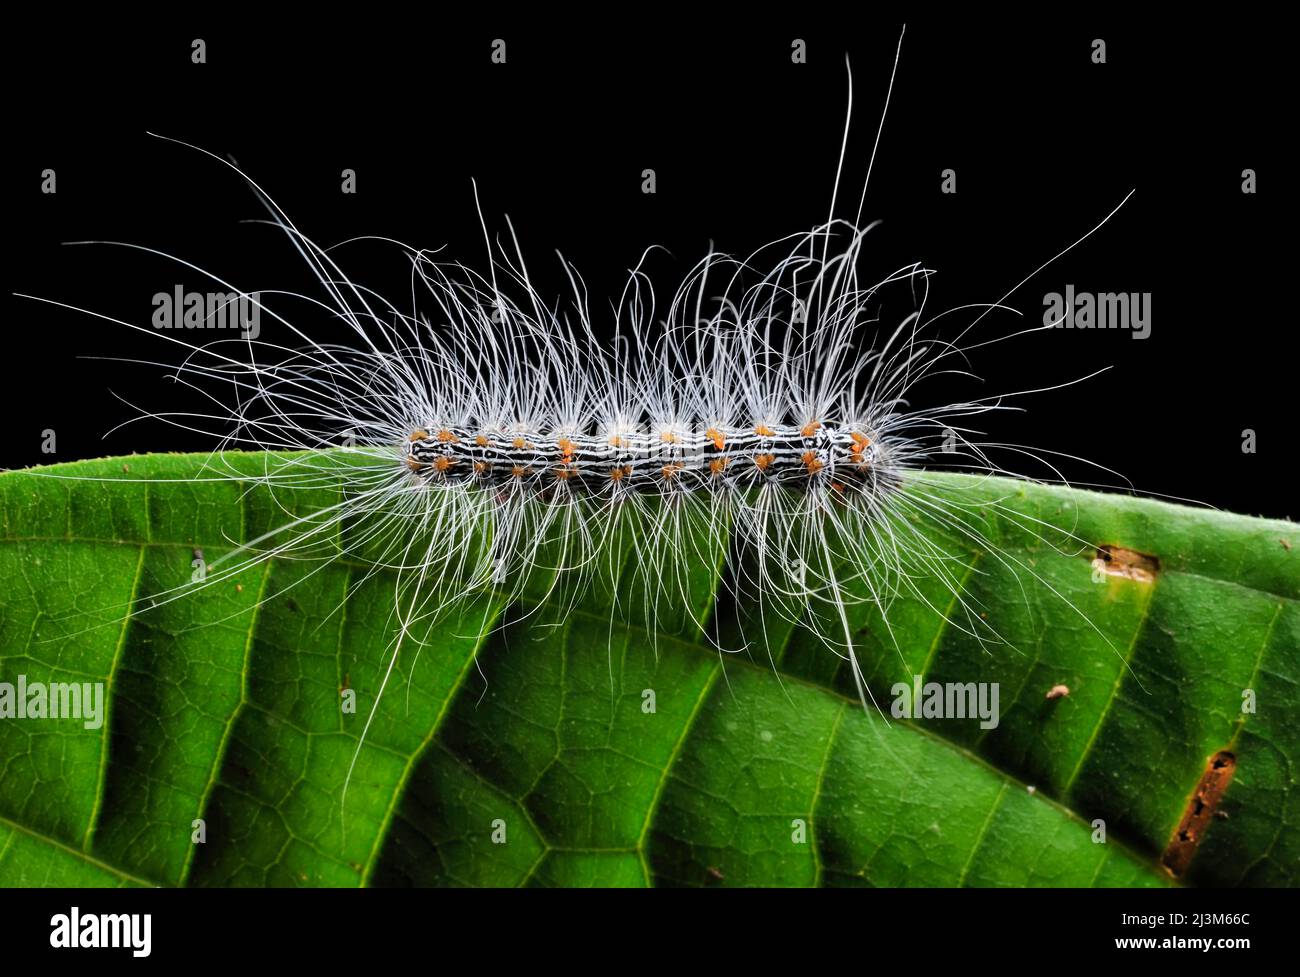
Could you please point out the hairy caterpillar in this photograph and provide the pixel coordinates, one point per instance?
(486, 438)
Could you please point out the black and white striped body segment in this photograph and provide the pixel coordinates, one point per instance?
(658, 462)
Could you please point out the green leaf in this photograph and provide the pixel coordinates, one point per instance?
(761, 768)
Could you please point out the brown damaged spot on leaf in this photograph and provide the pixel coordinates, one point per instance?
(1200, 810)
(1130, 564)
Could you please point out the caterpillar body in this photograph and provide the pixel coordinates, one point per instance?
(655, 463)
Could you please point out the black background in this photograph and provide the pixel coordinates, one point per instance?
(533, 931)
(744, 144)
